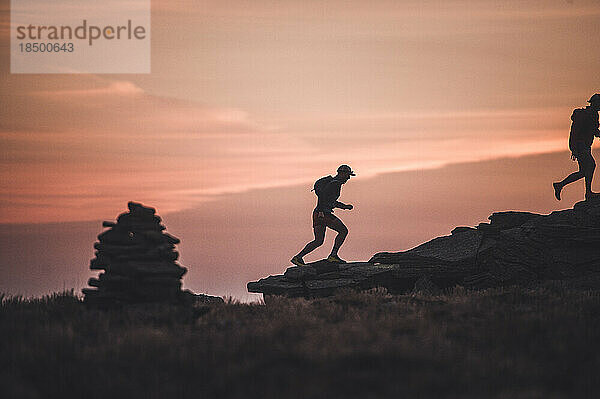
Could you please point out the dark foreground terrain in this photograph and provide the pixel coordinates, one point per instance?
(514, 342)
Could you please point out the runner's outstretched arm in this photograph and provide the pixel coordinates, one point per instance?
(339, 204)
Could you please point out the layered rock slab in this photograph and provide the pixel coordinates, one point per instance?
(513, 248)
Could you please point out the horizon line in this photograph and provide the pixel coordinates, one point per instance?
(213, 195)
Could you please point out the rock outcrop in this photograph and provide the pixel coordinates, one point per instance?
(139, 262)
(513, 248)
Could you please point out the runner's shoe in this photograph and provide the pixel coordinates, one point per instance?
(335, 259)
(296, 260)
(557, 190)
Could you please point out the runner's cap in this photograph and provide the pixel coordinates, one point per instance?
(346, 169)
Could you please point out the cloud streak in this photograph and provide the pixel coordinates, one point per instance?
(268, 93)
(99, 146)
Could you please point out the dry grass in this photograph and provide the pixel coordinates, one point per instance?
(501, 343)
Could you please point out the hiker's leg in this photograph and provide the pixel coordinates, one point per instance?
(336, 224)
(573, 177)
(317, 242)
(589, 173)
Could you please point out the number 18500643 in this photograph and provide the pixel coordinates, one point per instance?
(46, 47)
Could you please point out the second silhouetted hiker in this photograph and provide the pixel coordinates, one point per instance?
(583, 129)
(328, 190)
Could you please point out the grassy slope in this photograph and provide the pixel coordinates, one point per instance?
(503, 343)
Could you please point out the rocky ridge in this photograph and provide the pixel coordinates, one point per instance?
(513, 248)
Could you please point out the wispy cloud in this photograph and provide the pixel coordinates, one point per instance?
(123, 88)
(248, 94)
(86, 149)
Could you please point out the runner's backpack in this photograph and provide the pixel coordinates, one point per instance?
(321, 183)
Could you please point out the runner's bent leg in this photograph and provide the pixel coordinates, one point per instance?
(337, 225)
(573, 177)
(317, 242)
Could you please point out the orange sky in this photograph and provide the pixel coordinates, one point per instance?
(259, 94)
(246, 236)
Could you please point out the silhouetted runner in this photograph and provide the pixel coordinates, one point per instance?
(328, 191)
(583, 130)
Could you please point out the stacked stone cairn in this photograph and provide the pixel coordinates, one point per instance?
(138, 259)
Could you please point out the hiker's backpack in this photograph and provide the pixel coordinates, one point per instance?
(320, 184)
(585, 124)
